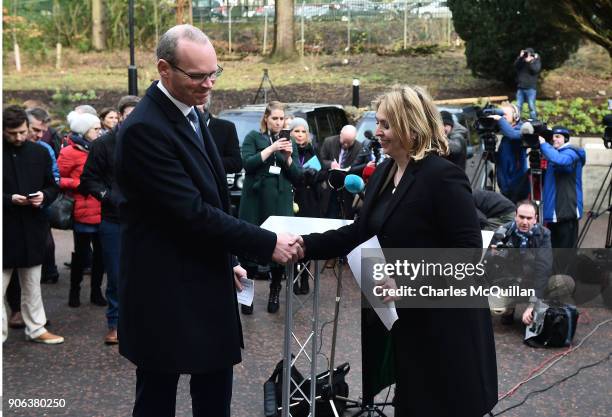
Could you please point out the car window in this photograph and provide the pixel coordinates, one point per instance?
(245, 122)
(367, 122)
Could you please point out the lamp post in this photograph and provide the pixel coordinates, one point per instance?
(132, 73)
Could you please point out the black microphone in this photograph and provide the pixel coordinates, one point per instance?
(335, 179)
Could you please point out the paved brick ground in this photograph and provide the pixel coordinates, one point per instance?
(95, 381)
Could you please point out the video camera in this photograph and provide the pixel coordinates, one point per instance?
(483, 123)
(531, 131)
(485, 126)
(373, 144)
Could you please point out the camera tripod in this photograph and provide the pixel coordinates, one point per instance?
(596, 211)
(487, 157)
(534, 176)
(265, 78)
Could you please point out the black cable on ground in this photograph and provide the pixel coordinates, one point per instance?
(552, 385)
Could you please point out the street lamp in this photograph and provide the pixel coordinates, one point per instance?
(132, 73)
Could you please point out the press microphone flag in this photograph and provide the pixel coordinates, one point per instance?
(354, 184)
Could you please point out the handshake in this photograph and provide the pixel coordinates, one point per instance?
(289, 248)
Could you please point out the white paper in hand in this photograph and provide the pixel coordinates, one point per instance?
(245, 296)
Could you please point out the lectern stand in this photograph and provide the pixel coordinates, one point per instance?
(300, 226)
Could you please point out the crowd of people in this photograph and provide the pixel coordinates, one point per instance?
(165, 156)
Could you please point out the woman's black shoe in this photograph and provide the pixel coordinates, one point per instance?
(248, 310)
(273, 302)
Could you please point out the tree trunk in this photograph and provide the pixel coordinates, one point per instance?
(184, 12)
(284, 31)
(98, 28)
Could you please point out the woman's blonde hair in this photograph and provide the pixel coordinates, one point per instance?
(415, 120)
(273, 105)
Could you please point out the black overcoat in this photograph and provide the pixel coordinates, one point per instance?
(178, 308)
(25, 169)
(445, 358)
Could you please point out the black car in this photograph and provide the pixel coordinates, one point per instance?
(323, 120)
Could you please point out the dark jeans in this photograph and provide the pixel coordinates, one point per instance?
(83, 245)
(563, 235)
(527, 95)
(211, 393)
(110, 240)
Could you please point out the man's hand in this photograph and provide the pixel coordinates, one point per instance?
(288, 248)
(20, 200)
(37, 200)
(239, 272)
(335, 165)
(528, 316)
(386, 284)
(541, 139)
(495, 117)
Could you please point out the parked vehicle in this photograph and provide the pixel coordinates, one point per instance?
(435, 9)
(323, 120)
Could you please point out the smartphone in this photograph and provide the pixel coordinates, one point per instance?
(32, 195)
(284, 134)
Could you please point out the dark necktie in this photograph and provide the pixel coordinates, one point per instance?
(344, 153)
(194, 119)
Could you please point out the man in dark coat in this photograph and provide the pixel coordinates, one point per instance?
(344, 152)
(27, 186)
(528, 66)
(179, 312)
(98, 179)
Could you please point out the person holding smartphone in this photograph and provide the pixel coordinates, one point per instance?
(268, 184)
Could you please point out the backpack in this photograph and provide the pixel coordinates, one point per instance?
(556, 329)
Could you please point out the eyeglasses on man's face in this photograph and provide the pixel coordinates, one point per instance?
(199, 77)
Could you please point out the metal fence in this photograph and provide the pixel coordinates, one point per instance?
(349, 25)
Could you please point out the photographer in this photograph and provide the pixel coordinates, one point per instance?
(562, 189)
(457, 136)
(533, 266)
(511, 156)
(528, 66)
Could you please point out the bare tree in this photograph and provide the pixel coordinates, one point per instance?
(98, 26)
(184, 13)
(284, 31)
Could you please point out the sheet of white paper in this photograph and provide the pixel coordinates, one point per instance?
(248, 291)
(486, 238)
(386, 312)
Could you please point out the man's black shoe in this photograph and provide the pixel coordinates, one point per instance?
(507, 318)
(49, 279)
(273, 302)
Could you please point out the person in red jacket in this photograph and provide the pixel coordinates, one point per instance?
(85, 128)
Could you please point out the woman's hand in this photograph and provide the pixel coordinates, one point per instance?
(277, 146)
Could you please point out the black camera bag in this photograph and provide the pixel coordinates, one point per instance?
(273, 392)
(559, 327)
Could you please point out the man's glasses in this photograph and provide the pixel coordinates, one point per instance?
(199, 77)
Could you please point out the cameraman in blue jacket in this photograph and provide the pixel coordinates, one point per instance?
(511, 156)
(562, 188)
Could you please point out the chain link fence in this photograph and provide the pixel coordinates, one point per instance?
(238, 26)
(331, 27)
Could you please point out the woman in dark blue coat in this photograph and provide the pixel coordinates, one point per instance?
(444, 359)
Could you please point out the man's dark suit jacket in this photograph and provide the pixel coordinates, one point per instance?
(357, 157)
(444, 358)
(225, 136)
(178, 304)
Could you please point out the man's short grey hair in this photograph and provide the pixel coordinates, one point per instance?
(349, 130)
(39, 114)
(166, 47)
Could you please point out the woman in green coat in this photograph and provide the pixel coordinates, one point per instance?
(268, 184)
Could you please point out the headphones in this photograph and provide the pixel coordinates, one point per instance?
(516, 114)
